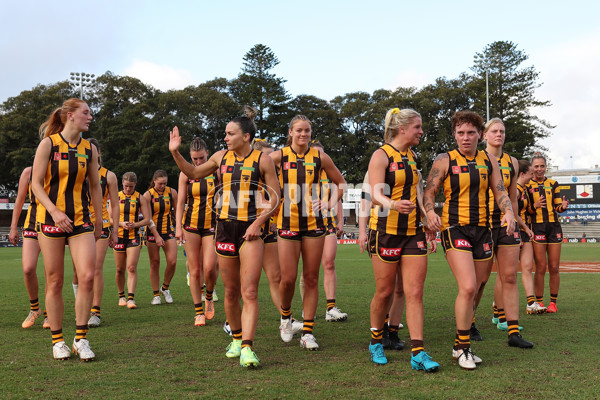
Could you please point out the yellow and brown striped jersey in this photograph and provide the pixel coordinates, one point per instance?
(65, 181)
(29, 223)
(325, 193)
(549, 189)
(401, 181)
(161, 205)
(200, 211)
(507, 173)
(466, 190)
(129, 211)
(299, 181)
(240, 182)
(102, 172)
(523, 202)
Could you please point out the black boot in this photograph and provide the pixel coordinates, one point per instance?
(516, 340)
(395, 342)
(474, 333)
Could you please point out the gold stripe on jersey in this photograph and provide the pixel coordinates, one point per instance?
(240, 182)
(325, 194)
(401, 181)
(507, 173)
(466, 190)
(299, 181)
(200, 212)
(31, 211)
(549, 189)
(102, 172)
(161, 206)
(129, 211)
(523, 202)
(65, 181)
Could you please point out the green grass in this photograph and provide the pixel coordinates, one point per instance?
(156, 352)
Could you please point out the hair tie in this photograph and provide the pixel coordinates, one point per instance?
(395, 110)
(260, 140)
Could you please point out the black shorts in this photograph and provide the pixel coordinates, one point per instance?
(525, 238)
(124, 244)
(297, 236)
(501, 239)
(229, 236)
(391, 248)
(270, 237)
(29, 234)
(200, 231)
(331, 230)
(54, 232)
(472, 239)
(106, 232)
(547, 233)
(165, 236)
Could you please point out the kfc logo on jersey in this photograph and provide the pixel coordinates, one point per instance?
(462, 243)
(287, 233)
(226, 169)
(51, 229)
(390, 252)
(456, 169)
(393, 166)
(56, 156)
(290, 165)
(540, 237)
(225, 246)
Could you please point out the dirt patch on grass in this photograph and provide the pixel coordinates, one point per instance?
(579, 266)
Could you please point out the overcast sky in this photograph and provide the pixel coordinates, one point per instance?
(326, 48)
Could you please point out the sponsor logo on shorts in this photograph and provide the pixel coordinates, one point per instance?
(540, 237)
(151, 237)
(390, 252)
(517, 235)
(486, 247)
(421, 244)
(559, 236)
(29, 234)
(225, 246)
(287, 233)
(51, 229)
(462, 243)
(119, 246)
(134, 241)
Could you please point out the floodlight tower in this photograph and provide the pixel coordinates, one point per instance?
(82, 80)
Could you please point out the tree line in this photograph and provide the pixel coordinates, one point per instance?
(132, 119)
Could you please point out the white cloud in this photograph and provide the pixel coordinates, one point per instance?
(162, 77)
(569, 72)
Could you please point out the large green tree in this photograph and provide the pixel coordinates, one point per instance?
(20, 119)
(512, 98)
(259, 87)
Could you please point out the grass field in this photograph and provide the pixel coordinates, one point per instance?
(156, 352)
